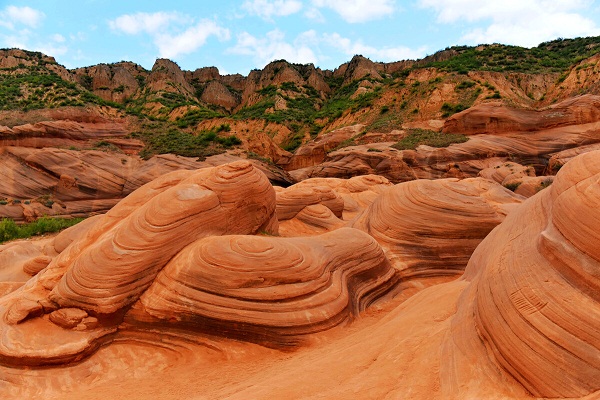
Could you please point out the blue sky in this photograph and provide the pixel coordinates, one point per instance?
(237, 36)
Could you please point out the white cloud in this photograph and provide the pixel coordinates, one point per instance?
(170, 46)
(274, 47)
(314, 14)
(310, 47)
(385, 54)
(25, 15)
(25, 39)
(519, 22)
(11, 16)
(267, 9)
(144, 22)
(354, 11)
(173, 33)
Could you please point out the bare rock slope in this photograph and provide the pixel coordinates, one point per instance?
(186, 282)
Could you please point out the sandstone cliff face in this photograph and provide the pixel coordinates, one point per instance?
(167, 76)
(278, 72)
(218, 94)
(534, 288)
(497, 118)
(358, 68)
(113, 82)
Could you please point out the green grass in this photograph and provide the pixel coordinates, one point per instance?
(417, 137)
(554, 56)
(450, 109)
(195, 116)
(9, 230)
(185, 144)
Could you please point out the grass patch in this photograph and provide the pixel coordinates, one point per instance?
(450, 109)
(184, 144)
(9, 230)
(417, 137)
(195, 116)
(554, 56)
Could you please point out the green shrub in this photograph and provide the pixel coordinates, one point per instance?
(417, 137)
(195, 116)
(465, 85)
(449, 109)
(9, 230)
(205, 144)
(496, 95)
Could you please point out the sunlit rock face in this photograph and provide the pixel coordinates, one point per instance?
(535, 291)
(107, 268)
(430, 228)
(180, 252)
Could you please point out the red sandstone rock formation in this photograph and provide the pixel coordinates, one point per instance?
(521, 323)
(155, 243)
(493, 118)
(430, 228)
(533, 297)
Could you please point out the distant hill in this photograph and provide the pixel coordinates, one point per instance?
(298, 102)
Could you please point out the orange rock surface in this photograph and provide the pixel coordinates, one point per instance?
(185, 281)
(430, 228)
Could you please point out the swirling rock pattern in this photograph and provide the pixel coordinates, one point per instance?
(430, 228)
(269, 289)
(119, 256)
(178, 253)
(536, 284)
(319, 205)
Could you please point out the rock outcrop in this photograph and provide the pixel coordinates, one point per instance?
(494, 117)
(534, 288)
(266, 289)
(79, 183)
(431, 228)
(168, 256)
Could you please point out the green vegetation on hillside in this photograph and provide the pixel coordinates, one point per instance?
(553, 56)
(303, 109)
(34, 87)
(162, 138)
(417, 137)
(9, 230)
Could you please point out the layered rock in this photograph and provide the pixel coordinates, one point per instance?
(534, 288)
(267, 289)
(77, 183)
(177, 252)
(460, 160)
(430, 228)
(496, 118)
(116, 259)
(66, 133)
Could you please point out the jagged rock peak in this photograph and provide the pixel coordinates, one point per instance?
(167, 75)
(360, 67)
(205, 74)
(10, 58)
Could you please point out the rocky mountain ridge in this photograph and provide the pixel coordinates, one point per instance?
(295, 121)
